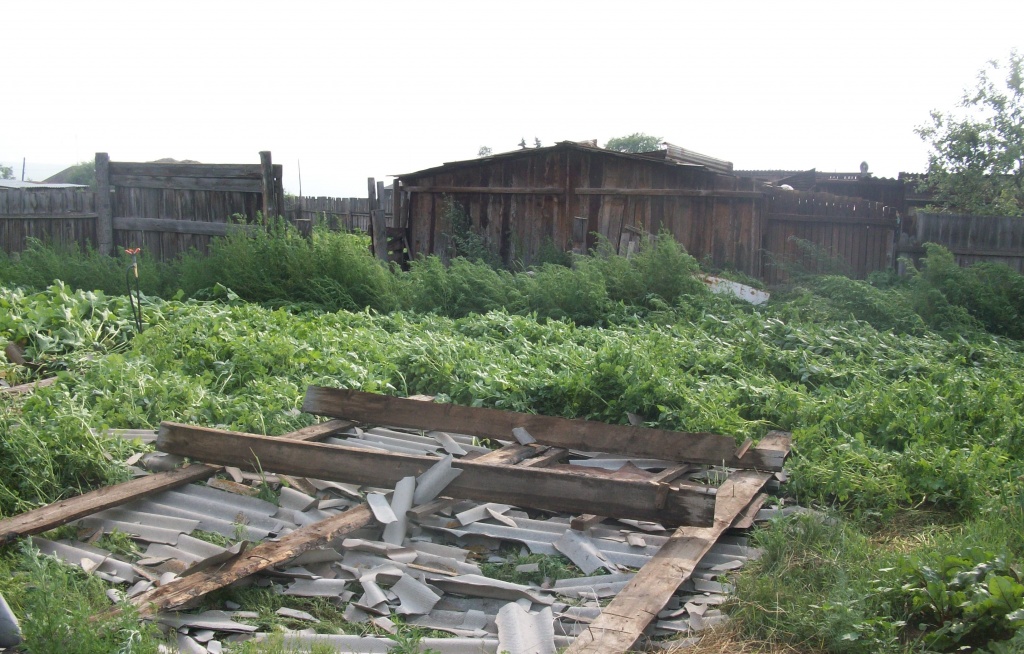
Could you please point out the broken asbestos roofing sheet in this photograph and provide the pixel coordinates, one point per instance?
(493, 575)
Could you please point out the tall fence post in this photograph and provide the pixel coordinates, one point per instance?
(279, 208)
(378, 226)
(267, 171)
(104, 211)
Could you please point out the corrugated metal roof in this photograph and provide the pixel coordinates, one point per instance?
(6, 184)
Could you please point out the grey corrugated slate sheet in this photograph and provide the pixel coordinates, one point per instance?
(373, 645)
(432, 583)
(110, 568)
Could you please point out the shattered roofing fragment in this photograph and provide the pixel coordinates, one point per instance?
(420, 554)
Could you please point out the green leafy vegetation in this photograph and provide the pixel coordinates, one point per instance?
(57, 605)
(635, 142)
(906, 414)
(975, 161)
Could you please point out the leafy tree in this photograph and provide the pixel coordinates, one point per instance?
(6, 172)
(977, 159)
(82, 173)
(636, 142)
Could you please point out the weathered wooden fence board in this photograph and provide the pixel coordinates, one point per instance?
(859, 233)
(65, 217)
(971, 239)
(169, 209)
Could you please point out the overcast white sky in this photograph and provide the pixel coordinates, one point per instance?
(359, 89)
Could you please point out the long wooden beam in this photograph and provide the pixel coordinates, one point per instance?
(620, 624)
(671, 192)
(64, 511)
(178, 226)
(586, 435)
(183, 590)
(539, 488)
(489, 190)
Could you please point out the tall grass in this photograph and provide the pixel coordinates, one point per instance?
(58, 605)
(278, 266)
(42, 264)
(332, 270)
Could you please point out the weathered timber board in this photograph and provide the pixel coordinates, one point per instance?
(183, 590)
(620, 624)
(64, 511)
(538, 488)
(587, 435)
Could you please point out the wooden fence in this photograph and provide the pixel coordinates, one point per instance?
(971, 239)
(65, 217)
(169, 209)
(859, 233)
(373, 215)
(346, 214)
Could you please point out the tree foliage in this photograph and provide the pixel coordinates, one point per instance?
(6, 172)
(635, 142)
(83, 172)
(977, 160)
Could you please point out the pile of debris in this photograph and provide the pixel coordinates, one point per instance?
(395, 508)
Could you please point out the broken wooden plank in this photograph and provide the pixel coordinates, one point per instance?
(585, 521)
(29, 387)
(64, 511)
(745, 519)
(586, 435)
(539, 488)
(549, 456)
(620, 624)
(183, 590)
(670, 474)
(508, 455)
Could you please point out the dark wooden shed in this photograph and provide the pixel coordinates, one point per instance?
(568, 192)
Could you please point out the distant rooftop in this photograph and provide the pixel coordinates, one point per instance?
(18, 184)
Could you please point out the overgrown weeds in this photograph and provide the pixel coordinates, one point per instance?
(58, 605)
(899, 402)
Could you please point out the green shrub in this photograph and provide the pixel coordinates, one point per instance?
(622, 280)
(666, 270)
(885, 310)
(42, 264)
(992, 294)
(957, 601)
(559, 293)
(459, 289)
(276, 265)
(463, 241)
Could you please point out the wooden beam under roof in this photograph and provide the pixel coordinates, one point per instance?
(585, 435)
(528, 487)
